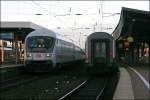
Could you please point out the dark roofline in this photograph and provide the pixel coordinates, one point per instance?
(120, 21)
(135, 10)
(19, 24)
(123, 16)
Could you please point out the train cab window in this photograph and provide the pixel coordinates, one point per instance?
(39, 42)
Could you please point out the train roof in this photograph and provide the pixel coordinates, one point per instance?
(42, 32)
(97, 35)
(61, 37)
(47, 32)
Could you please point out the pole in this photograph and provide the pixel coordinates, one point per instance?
(16, 48)
(149, 52)
(2, 51)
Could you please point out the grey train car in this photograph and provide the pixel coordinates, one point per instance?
(100, 51)
(46, 50)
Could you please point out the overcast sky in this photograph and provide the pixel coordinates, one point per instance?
(63, 16)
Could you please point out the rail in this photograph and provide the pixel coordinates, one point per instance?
(91, 89)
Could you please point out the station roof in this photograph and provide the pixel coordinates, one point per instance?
(12, 26)
(19, 28)
(133, 23)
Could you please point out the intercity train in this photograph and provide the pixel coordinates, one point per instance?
(46, 50)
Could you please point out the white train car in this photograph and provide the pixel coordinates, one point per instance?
(79, 54)
(46, 50)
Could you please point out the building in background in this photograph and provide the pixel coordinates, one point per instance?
(12, 37)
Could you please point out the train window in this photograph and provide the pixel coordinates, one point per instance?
(58, 43)
(39, 42)
(100, 49)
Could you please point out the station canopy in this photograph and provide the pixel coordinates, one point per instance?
(135, 23)
(20, 29)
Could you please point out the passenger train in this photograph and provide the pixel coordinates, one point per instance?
(46, 50)
(99, 48)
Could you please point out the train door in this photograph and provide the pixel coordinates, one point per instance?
(100, 51)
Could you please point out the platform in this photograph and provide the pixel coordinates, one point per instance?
(124, 89)
(10, 70)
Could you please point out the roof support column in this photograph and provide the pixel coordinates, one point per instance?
(16, 49)
(149, 52)
(130, 30)
(130, 27)
(2, 51)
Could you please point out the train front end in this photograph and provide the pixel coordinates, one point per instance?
(39, 53)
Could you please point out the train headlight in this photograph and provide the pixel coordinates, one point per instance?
(29, 54)
(48, 55)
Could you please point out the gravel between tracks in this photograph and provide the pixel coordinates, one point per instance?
(47, 89)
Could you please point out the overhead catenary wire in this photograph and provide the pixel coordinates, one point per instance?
(49, 13)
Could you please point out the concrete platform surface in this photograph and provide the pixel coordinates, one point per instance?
(124, 90)
(10, 65)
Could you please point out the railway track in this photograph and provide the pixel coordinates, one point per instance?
(15, 81)
(28, 77)
(91, 89)
(51, 86)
